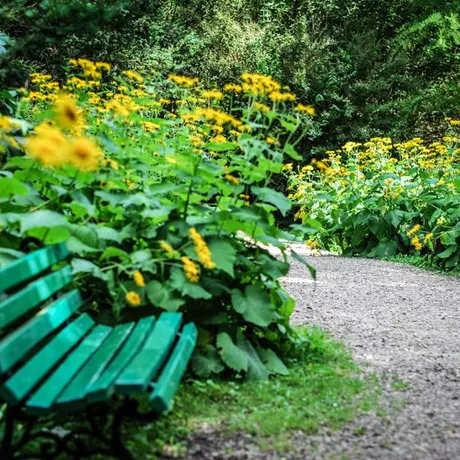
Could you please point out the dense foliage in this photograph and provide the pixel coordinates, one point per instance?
(382, 198)
(161, 190)
(371, 68)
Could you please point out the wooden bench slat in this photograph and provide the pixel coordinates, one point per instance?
(28, 376)
(138, 374)
(167, 384)
(102, 388)
(31, 265)
(43, 399)
(32, 295)
(17, 344)
(73, 396)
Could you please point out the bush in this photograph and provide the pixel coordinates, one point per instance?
(379, 199)
(160, 189)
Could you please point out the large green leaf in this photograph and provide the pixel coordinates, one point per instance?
(233, 356)
(273, 197)
(223, 254)
(254, 304)
(85, 266)
(256, 368)
(206, 362)
(10, 186)
(185, 287)
(272, 361)
(43, 218)
(162, 296)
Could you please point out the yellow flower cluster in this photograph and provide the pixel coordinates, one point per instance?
(167, 248)
(230, 178)
(90, 69)
(202, 250)
(416, 243)
(133, 298)
(192, 272)
(139, 278)
(259, 85)
(132, 75)
(212, 94)
(414, 230)
(308, 109)
(181, 80)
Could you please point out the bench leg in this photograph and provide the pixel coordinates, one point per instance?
(6, 449)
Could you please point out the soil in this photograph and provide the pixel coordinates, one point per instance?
(400, 322)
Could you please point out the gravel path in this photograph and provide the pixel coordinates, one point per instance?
(399, 321)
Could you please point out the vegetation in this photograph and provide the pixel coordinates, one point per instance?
(173, 214)
(387, 69)
(380, 199)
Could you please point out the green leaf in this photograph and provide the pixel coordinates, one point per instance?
(185, 287)
(273, 197)
(44, 218)
(83, 239)
(291, 127)
(223, 254)
(85, 266)
(448, 252)
(256, 369)
(231, 354)
(112, 252)
(52, 235)
(272, 267)
(290, 150)
(272, 362)
(254, 304)
(10, 186)
(220, 146)
(394, 217)
(207, 362)
(162, 296)
(303, 261)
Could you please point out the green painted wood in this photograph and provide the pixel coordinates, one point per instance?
(27, 377)
(32, 295)
(43, 399)
(167, 384)
(102, 388)
(73, 396)
(138, 374)
(31, 265)
(14, 347)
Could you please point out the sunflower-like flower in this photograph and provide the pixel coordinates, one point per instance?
(68, 113)
(84, 154)
(192, 272)
(133, 298)
(139, 279)
(202, 250)
(48, 145)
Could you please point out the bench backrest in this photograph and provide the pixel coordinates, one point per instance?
(28, 314)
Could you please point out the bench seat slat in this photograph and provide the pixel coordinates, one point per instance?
(28, 376)
(167, 384)
(138, 374)
(31, 265)
(18, 343)
(73, 396)
(43, 399)
(32, 295)
(102, 388)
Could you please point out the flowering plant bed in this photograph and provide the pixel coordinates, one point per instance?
(152, 182)
(383, 198)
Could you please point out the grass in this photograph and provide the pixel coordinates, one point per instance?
(324, 387)
(422, 262)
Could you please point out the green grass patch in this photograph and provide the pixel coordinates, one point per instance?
(422, 262)
(324, 387)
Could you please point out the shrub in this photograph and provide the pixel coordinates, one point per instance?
(160, 189)
(379, 199)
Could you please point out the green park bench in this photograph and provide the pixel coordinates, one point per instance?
(55, 360)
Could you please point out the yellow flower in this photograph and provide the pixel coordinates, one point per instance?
(413, 230)
(48, 145)
(191, 271)
(67, 112)
(167, 248)
(212, 94)
(271, 140)
(232, 179)
(84, 154)
(202, 250)
(231, 87)
(428, 237)
(139, 279)
(416, 243)
(308, 109)
(183, 81)
(277, 96)
(133, 298)
(133, 75)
